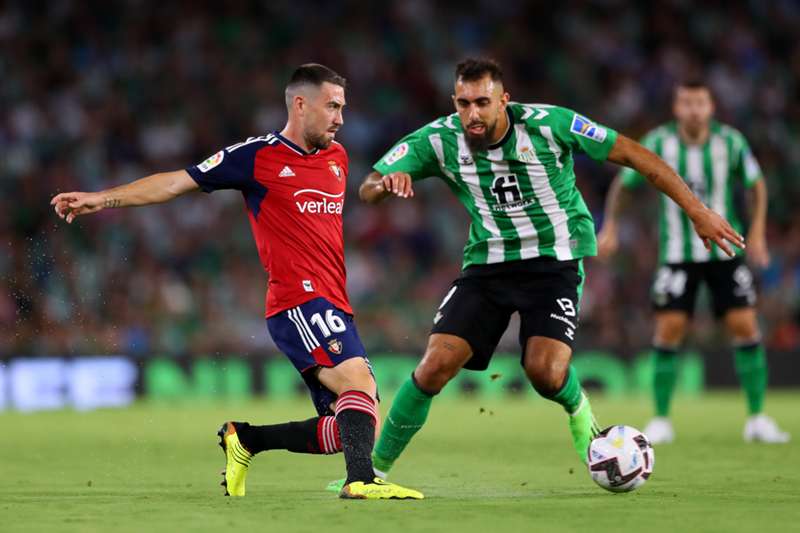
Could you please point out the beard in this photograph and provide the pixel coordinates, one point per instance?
(480, 143)
(319, 141)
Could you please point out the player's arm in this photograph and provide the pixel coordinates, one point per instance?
(411, 159)
(616, 199)
(153, 189)
(709, 225)
(757, 234)
(376, 187)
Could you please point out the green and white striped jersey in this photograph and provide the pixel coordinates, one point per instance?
(711, 171)
(520, 193)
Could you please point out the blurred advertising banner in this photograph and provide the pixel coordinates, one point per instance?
(84, 383)
(34, 384)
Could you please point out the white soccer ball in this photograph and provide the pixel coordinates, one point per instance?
(620, 458)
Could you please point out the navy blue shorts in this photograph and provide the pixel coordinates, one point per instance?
(316, 334)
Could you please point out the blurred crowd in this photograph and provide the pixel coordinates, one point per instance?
(94, 94)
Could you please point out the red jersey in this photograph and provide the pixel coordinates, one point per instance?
(294, 200)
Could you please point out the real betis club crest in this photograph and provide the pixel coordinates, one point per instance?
(336, 169)
(526, 155)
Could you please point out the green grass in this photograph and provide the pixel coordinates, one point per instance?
(511, 468)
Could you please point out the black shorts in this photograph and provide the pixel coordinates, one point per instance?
(729, 282)
(479, 304)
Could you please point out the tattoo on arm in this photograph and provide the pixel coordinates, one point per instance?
(449, 346)
(112, 202)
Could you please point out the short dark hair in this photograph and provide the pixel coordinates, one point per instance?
(311, 74)
(315, 74)
(693, 82)
(475, 68)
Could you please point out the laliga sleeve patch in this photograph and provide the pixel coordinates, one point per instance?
(212, 161)
(585, 127)
(399, 152)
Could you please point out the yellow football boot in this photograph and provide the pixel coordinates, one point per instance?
(237, 460)
(378, 490)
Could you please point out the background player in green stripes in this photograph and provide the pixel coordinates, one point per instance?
(713, 159)
(511, 165)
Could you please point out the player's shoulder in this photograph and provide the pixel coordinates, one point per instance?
(728, 132)
(535, 113)
(446, 124)
(660, 132)
(254, 143)
(337, 149)
(558, 118)
(241, 153)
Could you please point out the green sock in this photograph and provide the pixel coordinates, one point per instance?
(407, 415)
(569, 397)
(666, 371)
(751, 367)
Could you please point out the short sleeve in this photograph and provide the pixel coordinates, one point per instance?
(630, 178)
(747, 165)
(413, 154)
(231, 168)
(582, 134)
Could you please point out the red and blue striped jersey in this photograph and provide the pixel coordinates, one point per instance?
(294, 201)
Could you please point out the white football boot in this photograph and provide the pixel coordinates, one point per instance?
(761, 428)
(659, 431)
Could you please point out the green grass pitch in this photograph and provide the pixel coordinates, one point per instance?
(485, 466)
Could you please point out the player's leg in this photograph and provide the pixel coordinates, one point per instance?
(547, 365)
(673, 298)
(241, 441)
(356, 411)
(467, 327)
(669, 333)
(548, 304)
(733, 293)
(444, 357)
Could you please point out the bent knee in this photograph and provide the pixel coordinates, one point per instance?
(670, 329)
(547, 374)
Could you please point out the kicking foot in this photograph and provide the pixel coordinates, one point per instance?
(583, 427)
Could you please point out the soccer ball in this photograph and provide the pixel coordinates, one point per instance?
(620, 458)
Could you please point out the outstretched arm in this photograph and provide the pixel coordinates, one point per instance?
(377, 187)
(153, 189)
(709, 225)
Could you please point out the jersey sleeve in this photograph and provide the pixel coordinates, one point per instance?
(746, 164)
(231, 168)
(581, 134)
(413, 154)
(629, 177)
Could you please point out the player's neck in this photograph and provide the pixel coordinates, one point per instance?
(699, 136)
(295, 134)
(501, 129)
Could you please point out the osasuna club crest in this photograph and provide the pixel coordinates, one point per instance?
(335, 346)
(336, 169)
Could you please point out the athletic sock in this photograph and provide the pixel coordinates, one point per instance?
(315, 435)
(407, 415)
(751, 367)
(356, 417)
(570, 394)
(664, 376)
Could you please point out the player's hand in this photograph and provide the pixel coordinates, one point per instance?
(711, 227)
(757, 249)
(70, 205)
(607, 241)
(399, 184)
